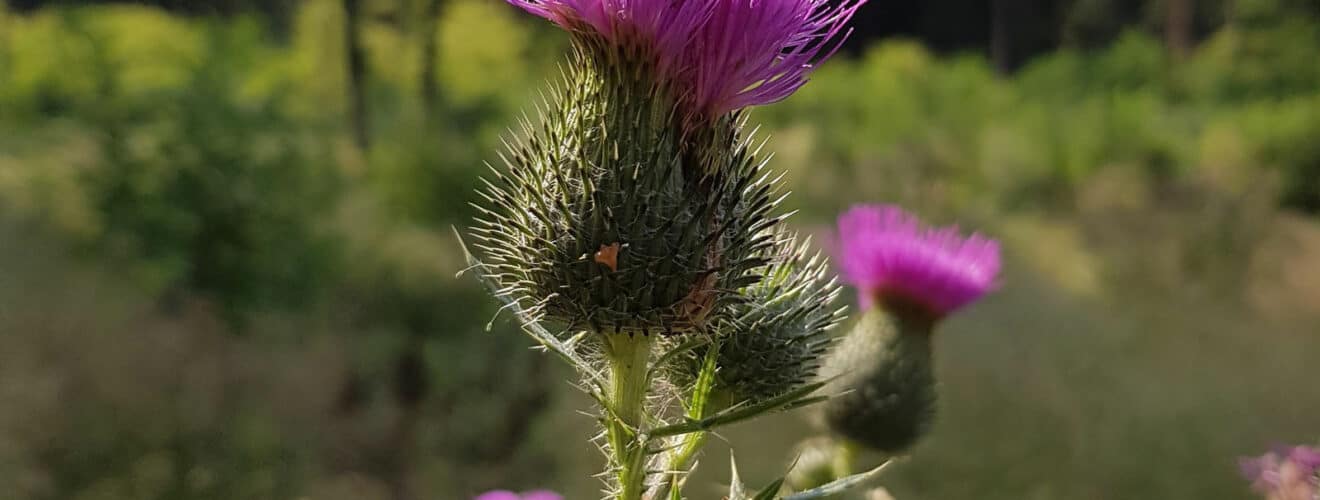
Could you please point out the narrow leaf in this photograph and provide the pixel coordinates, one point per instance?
(770, 491)
(841, 485)
(737, 413)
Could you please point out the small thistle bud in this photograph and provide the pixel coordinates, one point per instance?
(908, 277)
(636, 205)
(776, 337)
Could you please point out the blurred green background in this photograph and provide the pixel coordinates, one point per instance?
(227, 268)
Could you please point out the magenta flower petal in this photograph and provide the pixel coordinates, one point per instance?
(542, 495)
(1305, 457)
(722, 55)
(886, 252)
(1287, 473)
(1260, 470)
(754, 52)
(498, 495)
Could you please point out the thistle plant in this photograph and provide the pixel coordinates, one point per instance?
(633, 231)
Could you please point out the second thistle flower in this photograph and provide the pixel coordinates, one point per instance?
(908, 277)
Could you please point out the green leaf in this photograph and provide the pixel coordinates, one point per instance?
(770, 491)
(674, 490)
(841, 485)
(737, 414)
(705, 384)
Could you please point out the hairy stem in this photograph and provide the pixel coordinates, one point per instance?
(629, 357)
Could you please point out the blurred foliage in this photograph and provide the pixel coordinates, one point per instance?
(168, 181)
(1034, 139)
(219, 197)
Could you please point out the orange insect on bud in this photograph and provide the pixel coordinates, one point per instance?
(609, 255)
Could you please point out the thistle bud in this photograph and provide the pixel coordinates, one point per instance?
(908, 278)
(884, 396)
(776, 337)
(635, 205)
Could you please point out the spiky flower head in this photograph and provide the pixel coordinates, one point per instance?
(718, 55)
(636, 204)
(889, 255)
(774, 340)
(1285, 474)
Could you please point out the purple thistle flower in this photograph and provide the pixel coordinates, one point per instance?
(509, 495)
(721, 55)
(1285, 474)
(542, 495)
(888, 254)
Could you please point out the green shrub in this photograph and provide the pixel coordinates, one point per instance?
(213, 195)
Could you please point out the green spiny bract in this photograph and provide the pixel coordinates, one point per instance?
(617, 213)
(774, 339)
(882, 382)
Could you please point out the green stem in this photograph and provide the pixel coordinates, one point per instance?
(692, 443)
(682, 457)
(629, 357)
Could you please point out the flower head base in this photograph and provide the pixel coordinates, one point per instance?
(720, 55)
(882, 382)
(1286, 474)
(889, 255)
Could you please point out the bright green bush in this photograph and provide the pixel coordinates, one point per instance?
(898, 118)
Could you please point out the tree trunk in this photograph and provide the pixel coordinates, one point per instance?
(430, 53)
(411, 387)
(1178, 28)
(357, 74)
(1000, 38)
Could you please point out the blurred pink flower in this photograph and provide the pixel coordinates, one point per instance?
(888, 254)
(509, 495)
(1285, 474)
(722, 55)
